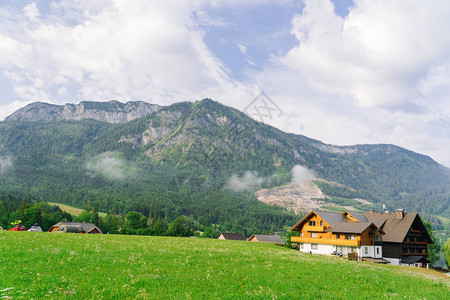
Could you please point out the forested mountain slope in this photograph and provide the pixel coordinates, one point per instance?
(180, 159)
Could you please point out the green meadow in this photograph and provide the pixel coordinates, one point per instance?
(53, 265)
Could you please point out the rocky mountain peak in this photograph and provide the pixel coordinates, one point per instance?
(110, 112)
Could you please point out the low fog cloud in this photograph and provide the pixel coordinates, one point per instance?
(110, 166)
(248, 181)
(251, 180)
(5, 164)
(301, 174)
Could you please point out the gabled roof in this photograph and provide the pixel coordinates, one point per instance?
(346, 227)
(267, 238)
(87, 227)
(358, 215)
(233, 236)
(395, 228)
(413, 259)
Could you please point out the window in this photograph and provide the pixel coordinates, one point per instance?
(338, 236)
(378, 250)
(301, 234)
(314, 234)
(376, 237)
(350, 237)
(366, 250)
(321, 223)
(312, 223)
(301, 245)
(314, 247)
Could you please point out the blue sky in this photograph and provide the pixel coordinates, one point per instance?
(342, 72)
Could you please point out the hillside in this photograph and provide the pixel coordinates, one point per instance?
(192, 158)
(50, 265)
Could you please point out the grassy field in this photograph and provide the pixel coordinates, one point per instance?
(51, 265)
(72, 210)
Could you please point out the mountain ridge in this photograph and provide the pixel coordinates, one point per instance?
(180, 159)
(110, 112)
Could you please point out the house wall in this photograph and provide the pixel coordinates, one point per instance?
(321, 248)
(371, 251)
(393, 250)
(221, 237)
(392, 261)
(365, 237)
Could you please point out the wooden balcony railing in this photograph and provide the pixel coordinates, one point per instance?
(315, 228)
(418, 254)
(339, 242)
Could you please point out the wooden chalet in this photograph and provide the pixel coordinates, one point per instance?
(344, 233)
(405, 236)
(231, 236)
(275, 239)
(375, 237)
(75, 227)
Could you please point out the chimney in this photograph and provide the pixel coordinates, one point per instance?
(399, 214)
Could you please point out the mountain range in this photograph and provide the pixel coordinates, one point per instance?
(204, 160)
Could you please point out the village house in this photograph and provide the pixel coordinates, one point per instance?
(274, 239)
(75, 227)
(395, 238)
(231, 236)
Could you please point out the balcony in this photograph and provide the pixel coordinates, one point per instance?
(416, 243)
(418, 254)
(338, 242)
(315, 228)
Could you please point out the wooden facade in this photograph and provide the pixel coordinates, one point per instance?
(383, 237)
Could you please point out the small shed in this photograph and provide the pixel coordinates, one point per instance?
(35, 228)
(274, 239)
(231, 236)
(415, 261)
(86, 227)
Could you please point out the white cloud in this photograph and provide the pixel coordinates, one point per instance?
(301, 174)
(6, 164)
(120, 50)
(31, 12)
(379, 75)
(249, 180)
(243, 49)
(110, 166)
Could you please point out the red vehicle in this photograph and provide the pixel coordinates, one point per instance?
(18, 227)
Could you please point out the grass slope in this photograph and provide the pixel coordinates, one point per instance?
(72, 210)
(42, 265)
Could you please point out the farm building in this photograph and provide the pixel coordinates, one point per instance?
(231, 236)
(275, 239)
(35, 228)
(375, 237)
(75, 227)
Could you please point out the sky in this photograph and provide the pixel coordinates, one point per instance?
(343, 72)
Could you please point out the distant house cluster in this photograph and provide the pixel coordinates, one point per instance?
(390, 238)
(274, 239)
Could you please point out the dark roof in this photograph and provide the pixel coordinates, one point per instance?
(87, 227)
(268, 238)
(331, 218)
(233, 236)
(413, 259)
(347, 227)
(395, 228)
